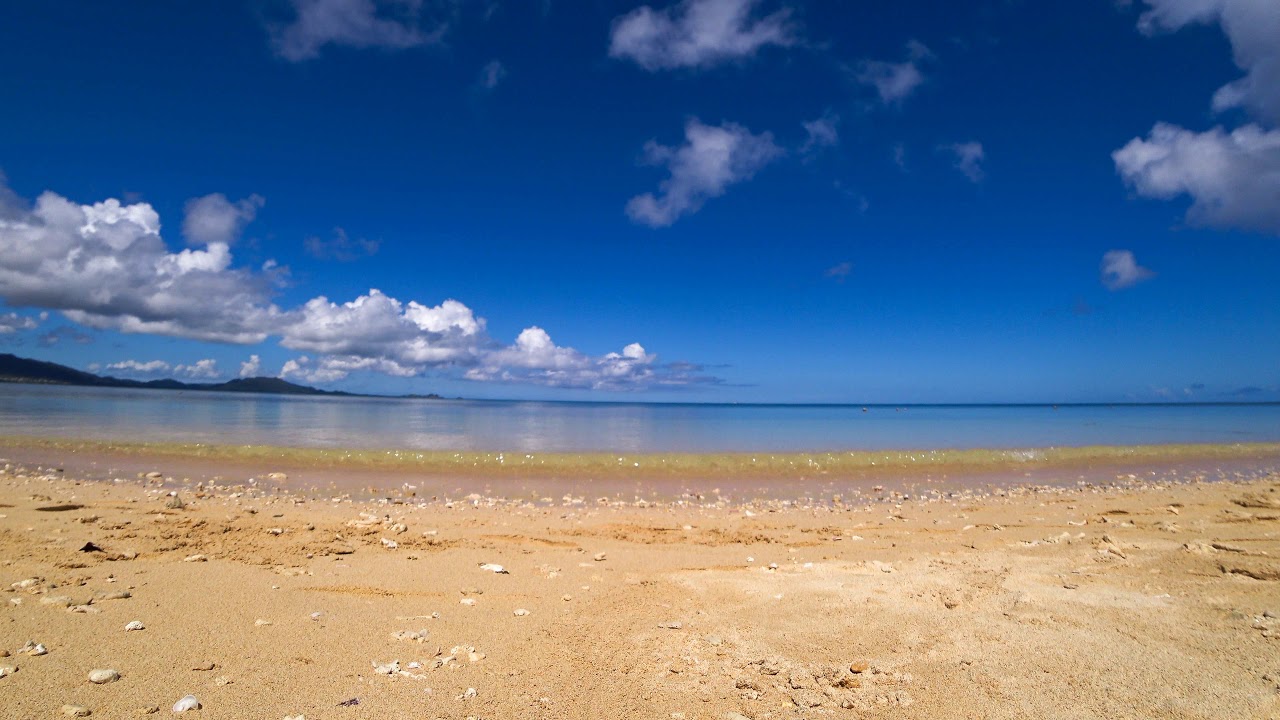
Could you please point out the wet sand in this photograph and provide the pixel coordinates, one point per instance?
(1139, 597)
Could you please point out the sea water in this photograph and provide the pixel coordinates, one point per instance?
(166, 416)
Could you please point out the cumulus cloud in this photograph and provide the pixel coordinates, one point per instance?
(388, 24)
(206, 369)
(1120, 270)
(536, 359)
(712, 159)
(135, 367)
(13, 322)
(251, 367)
(412, 336)
(491, 74)
(214, 219)
(968, 159)
(697, 33)
(341, 247)
(1233, 178)
(1252, 26)
(106, 266)
(820, 133)
(895, 81)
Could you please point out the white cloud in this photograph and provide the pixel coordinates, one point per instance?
(134, 367)
(712, 159)
(491, 74)
(206, 369)
(378, 326)
(895, 81)
(389, 24)
(13, 322)
(1253, 27)
(1120, 270)
(534, 358)
(968, 159)
(251, 367)
(341, 247)
(106, 266)
(697, 33)
(332, 368)
(214, 219)
(821, 133)
(1233, 178)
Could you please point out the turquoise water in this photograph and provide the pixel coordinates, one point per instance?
(368, 423)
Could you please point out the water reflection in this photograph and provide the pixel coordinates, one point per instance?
(328, 422)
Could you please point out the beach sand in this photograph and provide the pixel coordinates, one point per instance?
(1146, 599)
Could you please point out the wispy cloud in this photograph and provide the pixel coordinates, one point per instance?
(839, 272)
(341, 247)
(1120, 270)
(388, 24)
(64, 332)
(491, 74)
(821, 133)
(697, 33)
(711, 159)
(968, 159)
(894, 82)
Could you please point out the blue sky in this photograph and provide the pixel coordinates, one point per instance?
(706, 200)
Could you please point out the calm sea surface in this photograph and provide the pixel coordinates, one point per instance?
(375, 423)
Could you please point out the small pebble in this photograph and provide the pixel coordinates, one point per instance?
(118, 595)
(102, 677)
(195, 558)
(76, 711)
(7, 670)
(520, 613)
(187, 703)
(135, 625)
(599, 557)
(261, 623)
(467, 601)
(203, 666)
(148, 710)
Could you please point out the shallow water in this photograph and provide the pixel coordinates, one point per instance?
(158, 416)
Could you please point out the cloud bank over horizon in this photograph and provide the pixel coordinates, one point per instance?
(105, 266)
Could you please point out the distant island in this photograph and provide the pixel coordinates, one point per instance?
(16, 369)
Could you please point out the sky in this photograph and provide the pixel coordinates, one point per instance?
(694, 201)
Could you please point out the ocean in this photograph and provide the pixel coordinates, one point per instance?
(162, 416)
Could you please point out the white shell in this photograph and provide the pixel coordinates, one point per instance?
(520, 613)
(135, 625)
(187, 703)
(498, 569)
(102, 677)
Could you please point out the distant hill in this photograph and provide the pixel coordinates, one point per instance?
(23, 370)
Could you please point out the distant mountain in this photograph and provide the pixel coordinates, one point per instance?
(24, 370)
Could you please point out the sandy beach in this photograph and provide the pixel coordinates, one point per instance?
(1142, 598)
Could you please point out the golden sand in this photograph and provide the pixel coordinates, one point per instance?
(1146, 598)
